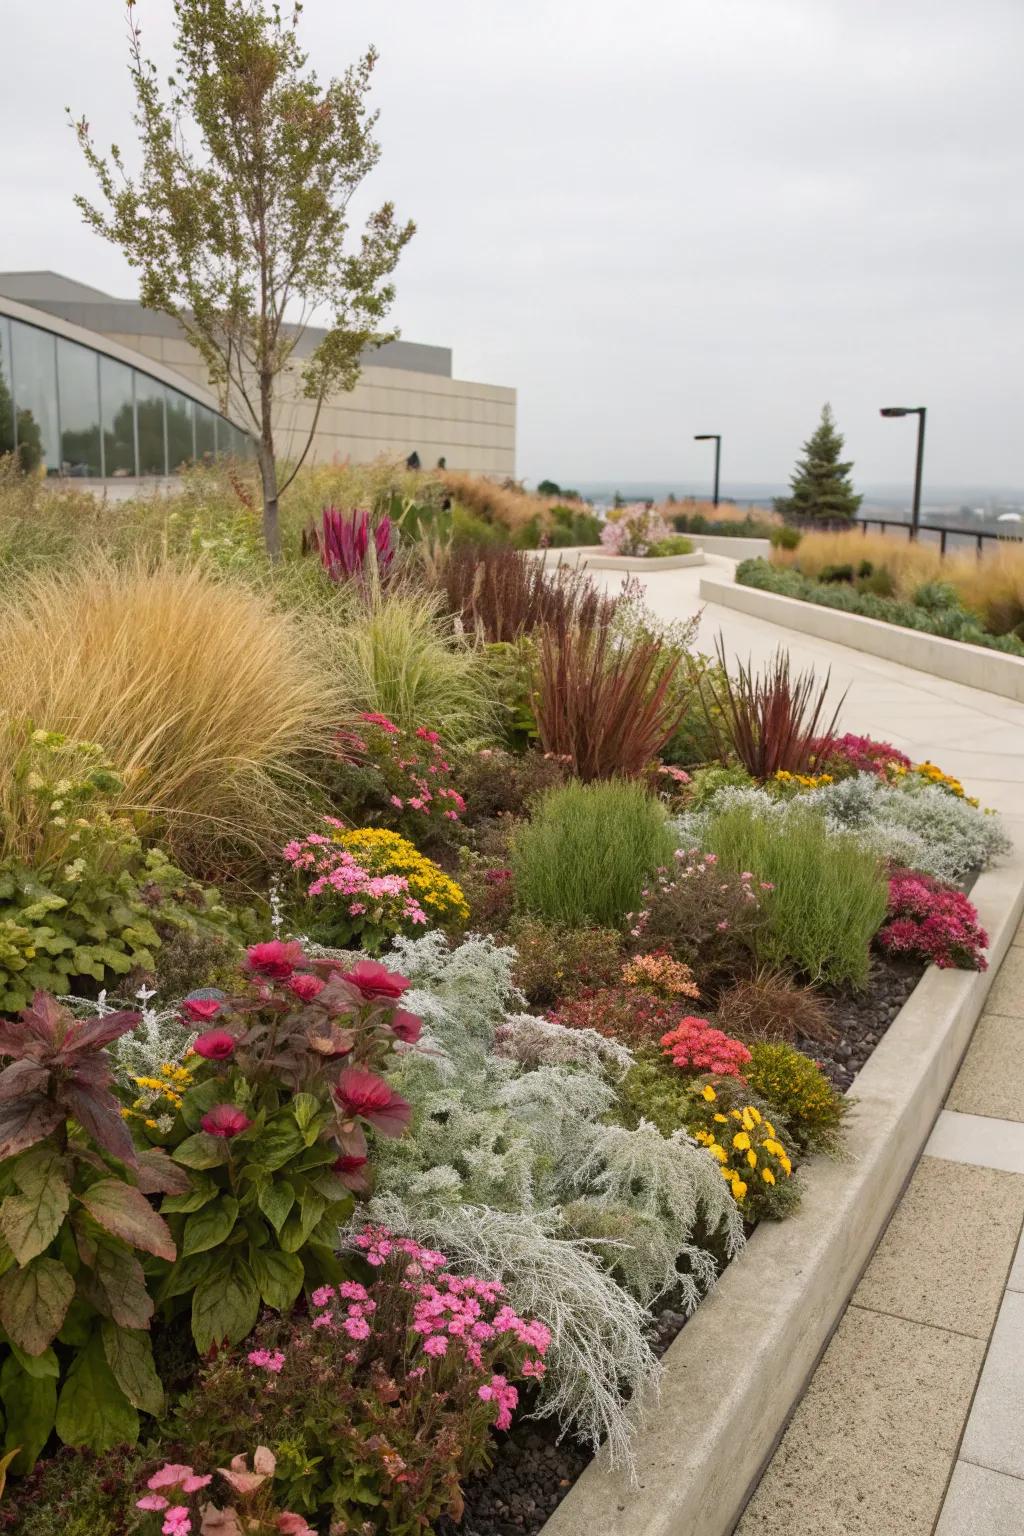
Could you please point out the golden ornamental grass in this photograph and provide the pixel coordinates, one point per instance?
(204, 697)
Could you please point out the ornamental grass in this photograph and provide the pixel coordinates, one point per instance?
(205, 700)
(771, 721)
(499, 593)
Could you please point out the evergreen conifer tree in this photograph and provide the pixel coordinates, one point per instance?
(820, 486)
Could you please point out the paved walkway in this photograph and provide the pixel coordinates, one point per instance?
(913, 1424)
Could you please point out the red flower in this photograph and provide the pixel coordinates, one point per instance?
(306, 986)
(366, 1094)
(350, 1169)
(275, 959)
(376, 981)
(202, 1009)
(215, 1045)
(225, 1120)
(406, 1026)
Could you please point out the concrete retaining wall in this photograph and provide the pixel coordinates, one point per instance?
(736, 549)
(973, 665)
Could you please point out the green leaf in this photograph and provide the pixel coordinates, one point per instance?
(275, 1201)
(127, 1213)
(209, 1227)
(202, 1151)
(201, 1192)
(78, 1324)
(305, 1108)
(92, 1410)
(186, 1274)
(30, 1403)
(29, 1226)
(225, 1305)
(278, 1275)
(116, 1286)
(45, 1364)
(129, 1354)
(200, 1098)
(33, 1302)
(281, 1140)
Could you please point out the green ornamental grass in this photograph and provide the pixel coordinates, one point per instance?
(829, 895)
(588, 850)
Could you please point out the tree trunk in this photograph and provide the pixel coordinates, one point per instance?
(268, 470)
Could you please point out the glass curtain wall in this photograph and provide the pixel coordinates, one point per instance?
(74, 411)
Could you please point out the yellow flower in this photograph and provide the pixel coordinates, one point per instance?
(755, 1114)
(785, 1164)
(767, 1175)
(741, 1141)
(769, 1128)
(752, 1158)
(722, 1119)
(717, 1152)
(748, 1120)
(739, 1189)
(709, 1094)
(727, 1173)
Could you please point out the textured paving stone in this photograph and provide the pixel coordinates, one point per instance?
(982, 1503)
(995, 1432)
(1007, 994)
(949, 1210)
(991, 1079)
(870, 1446)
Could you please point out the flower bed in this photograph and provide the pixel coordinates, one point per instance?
(421, 1162)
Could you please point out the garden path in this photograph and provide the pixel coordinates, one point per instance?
(911, 1424)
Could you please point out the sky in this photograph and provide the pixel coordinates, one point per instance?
(651, 219)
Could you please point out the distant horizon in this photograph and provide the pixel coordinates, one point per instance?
(962, 492)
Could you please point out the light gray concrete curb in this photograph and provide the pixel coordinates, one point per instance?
(735, 548)
(739, 1367)
(973, 665)
(649, 563)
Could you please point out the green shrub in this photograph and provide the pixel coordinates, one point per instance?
(676, 544)
(795, 1087)
(785, 537)
(554, 961)
(705, 784)
(934, 596)
(829, 895)
(585, 855)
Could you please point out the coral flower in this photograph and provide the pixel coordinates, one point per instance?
(215, 1045)
(202, 1009)
(366, 1094)
(376, 981)
(225, 1120)
(406, 1026)
(275, 959)
(305, 986)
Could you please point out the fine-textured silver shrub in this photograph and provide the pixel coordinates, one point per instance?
(535, 1042)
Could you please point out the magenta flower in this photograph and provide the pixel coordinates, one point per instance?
(375, 981)
(215, 1045)
(276, 960)
(351, 1170)
(305, 986)
(201, 1009)
(225, 1120)
(406, 1026)
(369, 1096)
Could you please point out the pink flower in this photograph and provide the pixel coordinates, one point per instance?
(225, 1120)
(177, 1521)
(266, 1360)
(321, 1297)
(382, 721)
(305, 987)
(350, 1168)
(365, 1094)
(172, 1475)
(437, 1344)
(202, 1009)
(406, 1026)
(152, 1501)
(275, 959)
(695, 1046)
(396, 802)
(292, 1525)
(376, 981)
(356, 1327)
(216, 1045)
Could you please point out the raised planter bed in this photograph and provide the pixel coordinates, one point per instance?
(735, 1373)
(605, 562)
(975, 666)
(735, 548)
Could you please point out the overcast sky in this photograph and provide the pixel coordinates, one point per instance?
(652, 219)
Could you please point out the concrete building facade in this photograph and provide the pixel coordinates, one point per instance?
(406, 399)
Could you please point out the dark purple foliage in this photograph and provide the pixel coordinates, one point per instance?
(343, 542)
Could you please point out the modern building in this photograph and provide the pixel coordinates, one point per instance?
(97, 387)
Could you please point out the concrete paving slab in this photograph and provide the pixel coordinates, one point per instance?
(991, 1078)
(995, 1431)
(1016, 1280)
(869, 1447)
(978, 1139)
(1007, 994)
(982, 1503)
(949, 1210)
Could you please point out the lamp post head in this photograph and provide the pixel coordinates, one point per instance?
(706, 437)
(902, 410)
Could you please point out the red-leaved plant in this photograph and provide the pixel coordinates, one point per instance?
(932, 921)
(74, 1218)
(343, 542)
(770, 720)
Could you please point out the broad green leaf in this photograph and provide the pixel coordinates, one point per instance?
(30, 1403)
(209, 1227)
(30, 1222)
(225, 1305)
(298, 1227)
(275, 1201)
(37, 1168)
(78, 1325)
(129, 1353)
(202, 1151)
(127, 1213)
(186, 1274)
(281, 1140)
(157, 1175)
(33, 1302)
(200, 1098)
(45, 1364)
(202, 1191)
(278, 1275)
(116, 1286)
(305, 1108)
(92, 1410)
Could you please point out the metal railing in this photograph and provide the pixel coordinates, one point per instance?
(978, 535)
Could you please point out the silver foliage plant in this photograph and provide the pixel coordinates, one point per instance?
(920, 826)
(513, 1168)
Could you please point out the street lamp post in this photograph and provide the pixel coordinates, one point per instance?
(716, 438)
(920, 411)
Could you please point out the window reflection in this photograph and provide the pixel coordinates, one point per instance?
(180, 446)
(34, 365)
(118, 402)
(149, 412)
(79, 401)
(6, 392)
(206, 434)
